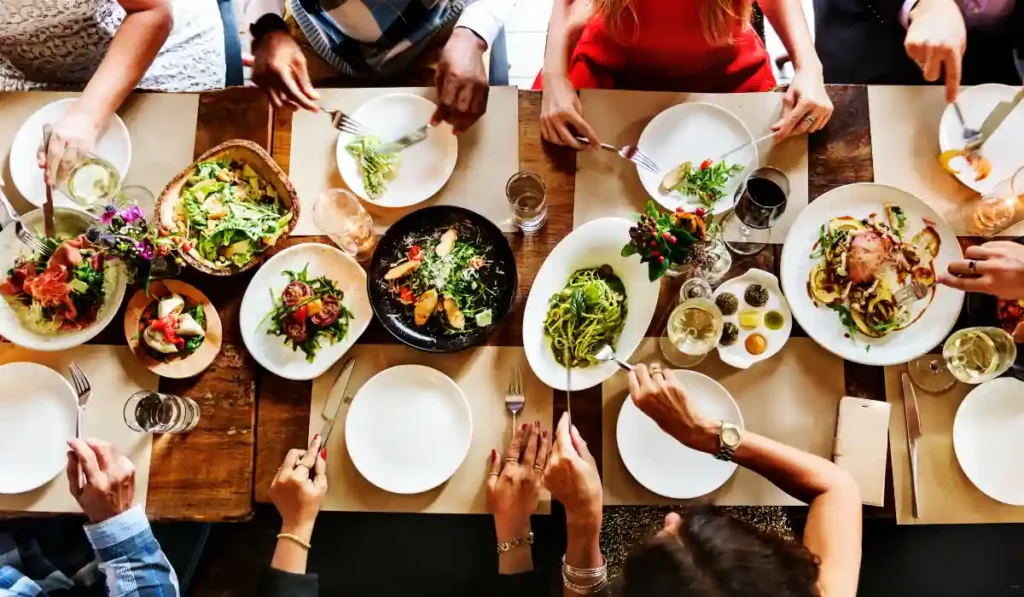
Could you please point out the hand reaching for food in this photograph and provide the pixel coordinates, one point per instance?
(299, 488)
(462, 86)
(936, 40)
(280, 69)
(806, 107)
(995, 268)
(561, 115)
(572, 477)
(109, 479)
(515, 479)
(659, 395)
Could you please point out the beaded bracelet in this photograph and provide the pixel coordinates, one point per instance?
(296, 539)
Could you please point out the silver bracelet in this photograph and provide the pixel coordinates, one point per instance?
(510, 545)
(583, 573)
(591, 589)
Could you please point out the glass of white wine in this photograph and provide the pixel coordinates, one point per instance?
(971, 355)
(88, 179)
(694, 326)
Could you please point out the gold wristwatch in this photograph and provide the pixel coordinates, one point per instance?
(729, 438)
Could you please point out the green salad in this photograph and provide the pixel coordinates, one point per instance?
(307, 312)
(705, 182)
(231, 215)
(377, 169)
(588, 313)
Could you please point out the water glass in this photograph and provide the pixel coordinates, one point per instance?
(760, 201)
(339, 214)
(153, 412)
(139, 196)
(528, 199)
(996, 210)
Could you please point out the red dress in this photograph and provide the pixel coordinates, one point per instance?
(669, 53)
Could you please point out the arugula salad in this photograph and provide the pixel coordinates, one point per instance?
(231, 215)
(376, 168)
(706, 182)
(307, 312)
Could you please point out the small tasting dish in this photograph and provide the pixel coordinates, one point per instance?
(755, 331)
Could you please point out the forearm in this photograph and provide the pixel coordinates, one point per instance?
(130, 556)
(289, 555)
(563, 32)
(788, 20)
(516, 560)
(800, 474)
(583, 548)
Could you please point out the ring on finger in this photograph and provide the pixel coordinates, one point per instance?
(511, 460)
(810, 120)
(492, 474)
(538, 468)
(972, 266)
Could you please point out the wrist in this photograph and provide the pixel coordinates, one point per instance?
(702, 436)
(467, 38)
(506, 531)
(303, 530)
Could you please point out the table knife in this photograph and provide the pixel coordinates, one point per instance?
(405, 141)
(998, 115)
(48, 226)
(913, 416)
(335, 400)
(568, 384)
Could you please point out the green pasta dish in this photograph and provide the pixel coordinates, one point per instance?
(588, 313)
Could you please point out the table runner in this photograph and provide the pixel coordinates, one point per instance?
(114, 374)
(946, 495)
(482, 373)
(792, 397)
(488, 156)
(162, 127)
(607, 185)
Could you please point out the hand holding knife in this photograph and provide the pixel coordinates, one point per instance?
(335, 399)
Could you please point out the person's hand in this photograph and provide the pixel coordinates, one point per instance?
(806, 107)
(279, 68)
(995, 268)
(936, 40)
(513, 485)
(299, 488)
(461, 81)
(109, 479)
(660, 396)
(561, 115)
(78, 129)
(571, 476)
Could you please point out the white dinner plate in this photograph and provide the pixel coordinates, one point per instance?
(1004, 148)
(662, 464)
(271, 351)
(987, 439)
(425, 166)
(823, 324)
(37, 418)
(408, 429)
(72, 222)
(737, 354)
(114, 145)
(693, 133)
(593, 244)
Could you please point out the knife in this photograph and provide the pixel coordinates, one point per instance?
(998, 115)
(913, 416)
(568, 384)
(334, 400)
(48, 227)
(406, 140)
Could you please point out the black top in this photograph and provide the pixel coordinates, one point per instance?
(277, 583)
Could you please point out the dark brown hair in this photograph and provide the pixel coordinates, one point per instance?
(716, 555)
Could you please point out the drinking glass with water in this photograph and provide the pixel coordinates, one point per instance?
(153, 412)
(528, 199)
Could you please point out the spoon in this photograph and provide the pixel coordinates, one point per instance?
(606, 354)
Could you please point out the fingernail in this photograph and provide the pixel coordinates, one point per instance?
(545, 434)
(323, 453)
(316, 437)
(494, 454)
(523, 428)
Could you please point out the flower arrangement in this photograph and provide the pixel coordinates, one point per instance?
(126, 235)
(667, 240)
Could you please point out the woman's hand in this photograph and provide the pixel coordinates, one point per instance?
(660, 396)
(299, 489)
(997, 267)
(513, 485)
(79, 129)
(571, 476)
(279, 68)
(110, 479)
(806, 107)
(561, 114)
(936, 40)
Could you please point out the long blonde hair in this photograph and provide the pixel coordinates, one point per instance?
(718, 18)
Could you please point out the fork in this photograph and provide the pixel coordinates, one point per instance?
(514, 397)
(628, 152)
(908, 295)
(84, 391)
(972, 137)
(345, 123)
(26, 237)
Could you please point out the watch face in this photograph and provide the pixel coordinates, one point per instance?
(730, 436)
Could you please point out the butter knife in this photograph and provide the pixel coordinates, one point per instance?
(48, 226)
(998, 115)
(913, 416)
(335, 400)
(405, 141)
(568, 384)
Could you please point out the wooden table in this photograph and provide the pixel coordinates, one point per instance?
(839, 155)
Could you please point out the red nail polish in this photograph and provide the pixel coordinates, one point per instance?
(545, 434)
(494, 454)
(323, 453)
(523, 428)
(316, 437)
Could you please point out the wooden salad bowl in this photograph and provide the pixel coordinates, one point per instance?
(169, 208)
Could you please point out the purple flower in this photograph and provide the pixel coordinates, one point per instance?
(132, 214)
(108, 215)
(145, 249)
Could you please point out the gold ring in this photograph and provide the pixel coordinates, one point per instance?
(493, 475)
(539, 469)
(809, 119)
(511, 460)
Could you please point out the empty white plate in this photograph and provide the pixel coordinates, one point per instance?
(408, 429)
(1003, 148)
(693, 133)
(271, 351)
(425, 167)
(662, 464)
(114, 145)
(988, 441)
(37, 418)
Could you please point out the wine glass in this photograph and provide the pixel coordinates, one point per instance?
(996, 210)
(340, 215)
(694, 326)
(971, 355)
(760, 201)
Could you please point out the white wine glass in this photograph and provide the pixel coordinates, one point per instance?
(971, 355)
(694, 327)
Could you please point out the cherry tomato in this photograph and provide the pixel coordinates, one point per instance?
(706, 164)
(406, 296)
(415, 253)
(300, 314)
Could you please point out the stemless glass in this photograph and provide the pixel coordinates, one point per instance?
(153, 412)
(528, 199)
(996, 210)
(87, 179)
(340, 215)
(694, 326)
(760, 201)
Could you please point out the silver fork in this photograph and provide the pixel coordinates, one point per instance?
(346, 124)
(84, 391)
(908, 295)
(972, 137)
(27, 238)
(515, 400)
(629, 152)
